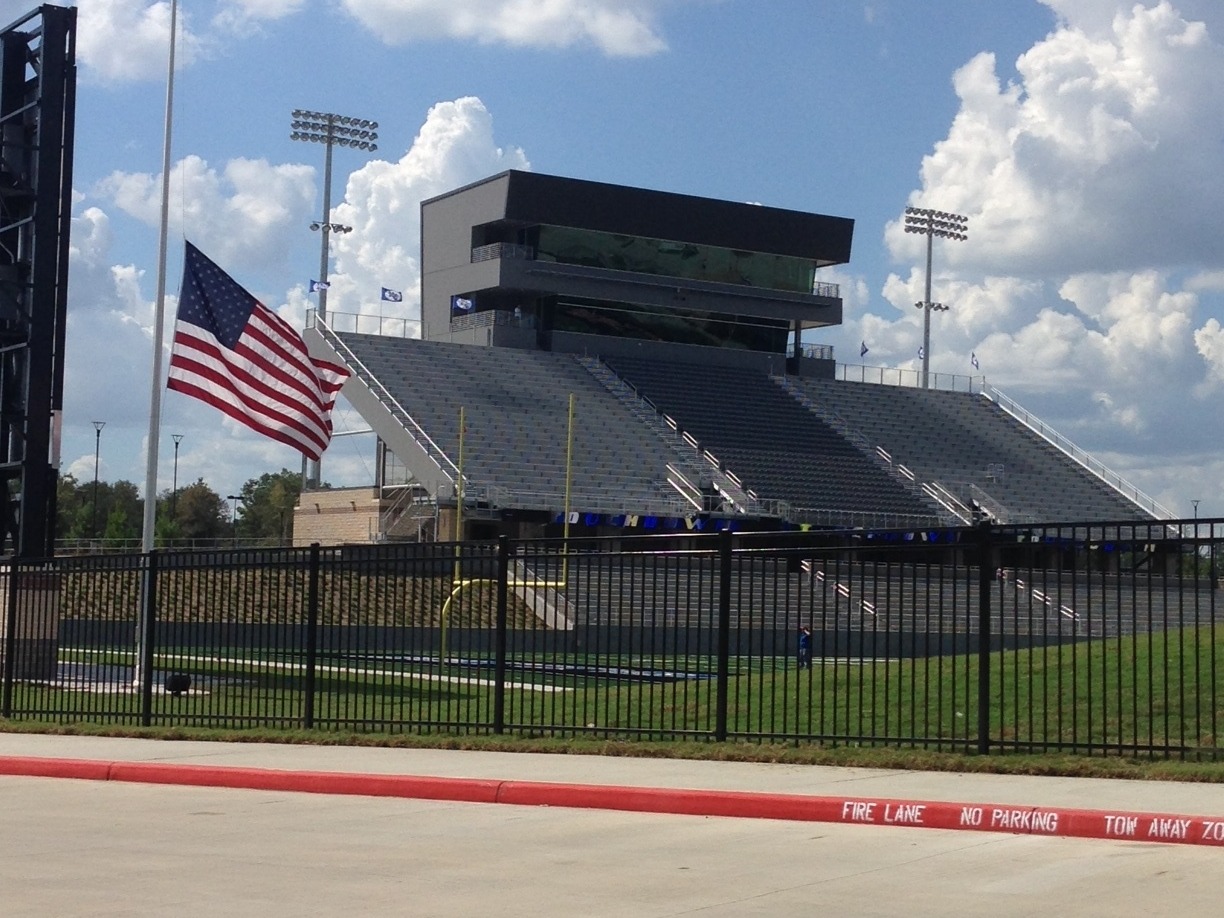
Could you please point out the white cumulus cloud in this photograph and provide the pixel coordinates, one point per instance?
(1092, 270)
(619, 28)
(382, 199)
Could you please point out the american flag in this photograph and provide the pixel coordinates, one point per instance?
(236, 354)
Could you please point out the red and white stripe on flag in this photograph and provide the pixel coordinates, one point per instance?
(269, 381)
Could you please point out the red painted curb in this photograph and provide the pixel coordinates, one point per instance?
(463, 790)
(37, 767)
(978, 817)
(1062, 822)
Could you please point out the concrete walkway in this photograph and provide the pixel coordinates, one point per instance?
(271, 831)
(1152, 811)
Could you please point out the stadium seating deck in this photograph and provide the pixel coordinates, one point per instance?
(972, 447)
(516, 418)
(771, 442)
(811, 449)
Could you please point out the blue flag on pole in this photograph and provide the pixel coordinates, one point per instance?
(973, 360)
(316, 286)
(863, 349)
(392, 296)
(920, 353)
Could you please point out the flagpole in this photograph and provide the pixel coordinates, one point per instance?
(143, 664)
(159, 309)
(569, 477)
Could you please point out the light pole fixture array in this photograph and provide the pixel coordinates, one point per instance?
(98, 425)
(932, 223)
(331, 130)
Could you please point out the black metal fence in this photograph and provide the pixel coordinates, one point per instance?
(1088, 638)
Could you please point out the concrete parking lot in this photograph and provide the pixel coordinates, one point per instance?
(108, 848)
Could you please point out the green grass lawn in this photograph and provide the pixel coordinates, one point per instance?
(1124, 696)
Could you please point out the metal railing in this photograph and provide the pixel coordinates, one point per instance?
(414, 430)
(818, 351)
(900, 376)
(368, 324)
(496, 250)
(1081, 456)
(1072, 638)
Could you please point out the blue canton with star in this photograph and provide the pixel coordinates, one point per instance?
(213, 300)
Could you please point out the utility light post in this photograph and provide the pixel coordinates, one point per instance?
(177, 438)
(233, 499)
(932, 223)
(98, 425)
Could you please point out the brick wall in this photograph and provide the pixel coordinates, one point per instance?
(344, 515)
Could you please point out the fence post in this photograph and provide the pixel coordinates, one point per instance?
(312, 635)
(8, 655)
(499, 647)
(148, 622)
(724, 634)
(986, 577)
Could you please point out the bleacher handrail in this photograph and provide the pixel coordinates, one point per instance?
(685, 488)
(948, 501)
(431, 449)
(614, 382)
(876, 454)
(997, 511)
(1081, 456)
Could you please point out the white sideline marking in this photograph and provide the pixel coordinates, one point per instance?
(272, 664)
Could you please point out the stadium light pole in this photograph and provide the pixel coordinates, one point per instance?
(932, 223)
(331, 130)
(98, 425)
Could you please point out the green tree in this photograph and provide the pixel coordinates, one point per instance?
(266, 511)
(201, 513)
(121, 508)
(72, 508)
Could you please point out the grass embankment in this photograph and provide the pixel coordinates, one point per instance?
(274, 596)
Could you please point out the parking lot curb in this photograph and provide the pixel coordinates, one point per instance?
(1163, 828)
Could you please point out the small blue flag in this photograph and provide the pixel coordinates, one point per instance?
(392, 296)
(973, 360)
(863, 349)
(921, 353)
(316, 286)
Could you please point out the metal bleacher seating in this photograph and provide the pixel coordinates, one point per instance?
(774, 445)
(516, 418)
(806, 445)
(972, 447)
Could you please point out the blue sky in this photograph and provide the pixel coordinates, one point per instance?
(1083, 138)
